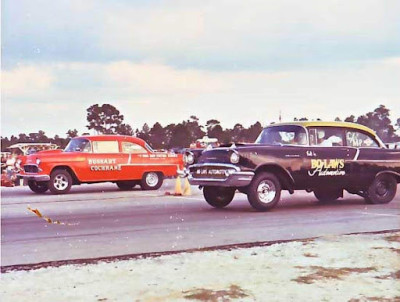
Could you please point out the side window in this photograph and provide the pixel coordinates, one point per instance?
(313, 136)
(105, 147)
(128, 147)
(326, 136)
(359, 139)
(86, 147)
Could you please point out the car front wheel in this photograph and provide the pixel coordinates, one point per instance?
(151, 181)
(264, 191)
(60, 181)
(218, 197)
(38, 186)
(382, 190)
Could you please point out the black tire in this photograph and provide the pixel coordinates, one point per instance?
(60, 181)
(328, 195)
(127, 184)
(218, 197)
(382, 190)
(151, 181)
(39, 187)
(260, 187)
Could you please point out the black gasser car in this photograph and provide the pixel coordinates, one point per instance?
(321, 157)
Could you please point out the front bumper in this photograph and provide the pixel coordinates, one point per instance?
(36, 177)
(233, 179)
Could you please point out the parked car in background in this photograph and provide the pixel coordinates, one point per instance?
(125, 160)
(321, 157)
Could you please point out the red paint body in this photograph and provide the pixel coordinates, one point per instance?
(94, 166)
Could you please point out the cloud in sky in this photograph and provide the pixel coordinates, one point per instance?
(215, 34)
(237, 61)
(151, 92)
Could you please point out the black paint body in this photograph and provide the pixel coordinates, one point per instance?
(293, 165)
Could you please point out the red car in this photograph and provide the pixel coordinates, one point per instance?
(124, 160)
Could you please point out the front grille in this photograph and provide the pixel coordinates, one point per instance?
(31, 169)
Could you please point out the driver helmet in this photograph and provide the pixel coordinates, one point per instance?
(302, 138)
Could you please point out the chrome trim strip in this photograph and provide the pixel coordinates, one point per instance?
(243, 174)
(124, 165)
(215, 165)
(357, 154)
(36, 177)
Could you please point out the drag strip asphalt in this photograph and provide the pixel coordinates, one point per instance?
(103, 221)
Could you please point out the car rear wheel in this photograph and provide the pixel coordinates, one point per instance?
(60, 181)
(382, 190)
(38, 186)
(218, 197)
(328, 195)
(127, 184)
(264, 191)
(151, 181)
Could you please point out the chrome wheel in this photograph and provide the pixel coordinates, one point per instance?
(266, 191)
(152, 179)
(60, 182)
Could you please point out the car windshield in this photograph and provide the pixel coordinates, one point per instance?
(78, 145)
(283, 135)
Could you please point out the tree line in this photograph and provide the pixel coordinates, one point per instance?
(106, 119)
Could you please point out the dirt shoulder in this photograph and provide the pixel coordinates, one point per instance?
(338, 268)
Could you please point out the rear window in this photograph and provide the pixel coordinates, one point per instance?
(105, 147)
(128, 147)
(359, 139)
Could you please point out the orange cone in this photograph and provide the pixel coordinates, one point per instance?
(178, 187)
(186, 188)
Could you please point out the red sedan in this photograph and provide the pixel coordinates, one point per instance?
(124, 160)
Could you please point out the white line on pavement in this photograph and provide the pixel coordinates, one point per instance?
(378, 214)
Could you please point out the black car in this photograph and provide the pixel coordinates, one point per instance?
(321, 157)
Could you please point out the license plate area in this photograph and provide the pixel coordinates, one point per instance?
(210, 172)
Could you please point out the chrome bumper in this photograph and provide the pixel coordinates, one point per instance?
(233, 179)
(35, 177)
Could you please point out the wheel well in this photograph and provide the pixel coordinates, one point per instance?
(395, 174)
(75, 179)
(283, 175)
(158, 172)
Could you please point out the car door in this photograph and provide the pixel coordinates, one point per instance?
(368, 150)
(327, 158)
(104, 163)
(135, 160)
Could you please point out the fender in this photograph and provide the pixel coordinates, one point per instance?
(69, 169)
(390, 172)
(288, 178)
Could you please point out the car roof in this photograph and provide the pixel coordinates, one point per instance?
(113, 137)
(328, 124)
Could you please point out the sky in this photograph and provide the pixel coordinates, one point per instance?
(163, 61)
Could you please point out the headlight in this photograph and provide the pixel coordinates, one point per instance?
(38, 161)
(234, 158)
(189, 158)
